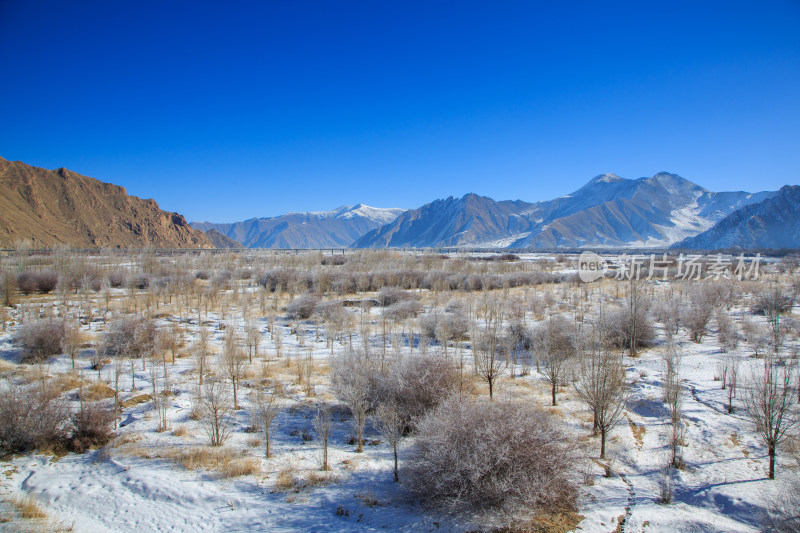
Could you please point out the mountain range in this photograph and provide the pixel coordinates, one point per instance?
(337, 228)
(47, 207)
(607, 212)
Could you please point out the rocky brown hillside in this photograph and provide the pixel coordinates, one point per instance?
(221, 241)
(49, 207)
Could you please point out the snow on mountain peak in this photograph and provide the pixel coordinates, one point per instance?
(377, 214)
(607, 178)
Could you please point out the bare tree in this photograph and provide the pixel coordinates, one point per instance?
(673, 396)
(8, 288)
(160, 395)
(322, 426)
(71, 341)
(772, 304)
(486, 346)
(215, 410)
(556, 344)
(733, 382)
(232, 361)
(600, 384)
(266, 408)
(253, 338)
(770, 399)
(754, 335)
(200, 350)
(637, 309)
(351, 385)
(390, 424)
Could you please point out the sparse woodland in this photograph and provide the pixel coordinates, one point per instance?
(393, 389)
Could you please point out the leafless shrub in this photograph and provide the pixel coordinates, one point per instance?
(333, 260)
(41, 339)
(402, 310)
(117, 278)
(43, 281)
(727, 332)
(629, 327)
(666, 483)
(448, 326)
(391, 295)
(771, 302)
(92, 425)
(495, 456)
(755, 336)
(303, 306)
(139, 281)
(783, 508)
(130, 337)
(415, 385)
(32, 417)
(696, 316)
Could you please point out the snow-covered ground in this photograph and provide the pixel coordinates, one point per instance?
(135, 484)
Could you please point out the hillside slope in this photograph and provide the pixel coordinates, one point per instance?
(50, 207)
(773, 223)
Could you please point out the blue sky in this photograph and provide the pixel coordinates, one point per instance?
(227, 111)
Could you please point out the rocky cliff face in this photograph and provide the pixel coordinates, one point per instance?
(50, 207)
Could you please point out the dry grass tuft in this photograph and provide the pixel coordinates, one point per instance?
(180, 431)
(141, 398)
(27, 507)
(546, 522)
(67, 382)
(638, 433)
(287, 480)
(97, 391)
(368, 498)
(316, 478)
(224, 461)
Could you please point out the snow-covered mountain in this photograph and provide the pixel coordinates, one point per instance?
(609, 211)
(468, 221)
(337, 228)
(771, 223)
